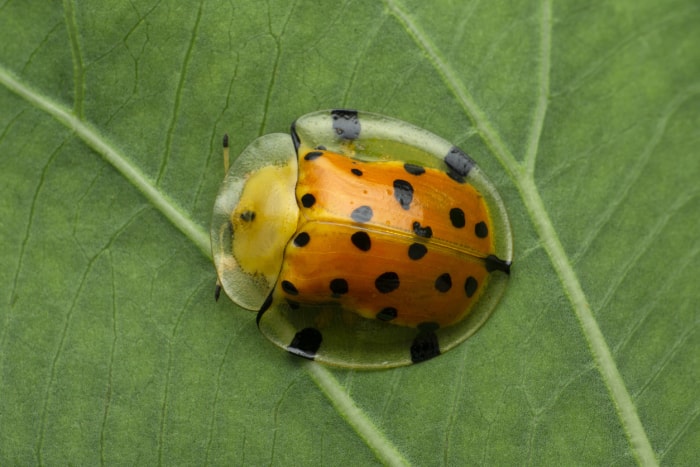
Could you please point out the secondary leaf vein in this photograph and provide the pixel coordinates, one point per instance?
(167, 147)
(543, 91)
(78, 67)
(634, 172)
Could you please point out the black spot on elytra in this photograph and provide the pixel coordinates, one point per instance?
(457, 218)
(417, 251)
(470, 286)
(387, 314)
(346, 123)
(425, 232)
(443, 283)
(289, 288)
(306, 343)
(414, 169)
(481, 230)
(494, 263)
(387, 282)
(456, 177)
(308, 200)
(357, 172)
(459, 162)
(361, 240)
(362, 214)
(302, 239)
(339, 287)
(425, 346)
(403, 192)
(312, 155)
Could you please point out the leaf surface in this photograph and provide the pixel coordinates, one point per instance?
(112, 350)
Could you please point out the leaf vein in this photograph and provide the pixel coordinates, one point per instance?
(609, 55)
(113, 346)
(275, 65)
(645, 245)
(451, 421)
(545, 58)
(78, 67)
(217, 391)
(358, 63)
(110, 366)
(687, 423)
(215, 139)
(25, 241)
(40, 46)
(660, 365)
(62, 340)
(669, 280)
(167, 147)
(168, 374)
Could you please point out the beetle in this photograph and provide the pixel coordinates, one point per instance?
(361, 241)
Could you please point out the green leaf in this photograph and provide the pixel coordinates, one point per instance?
(112, 349)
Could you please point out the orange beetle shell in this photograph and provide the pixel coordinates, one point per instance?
(381, 240)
